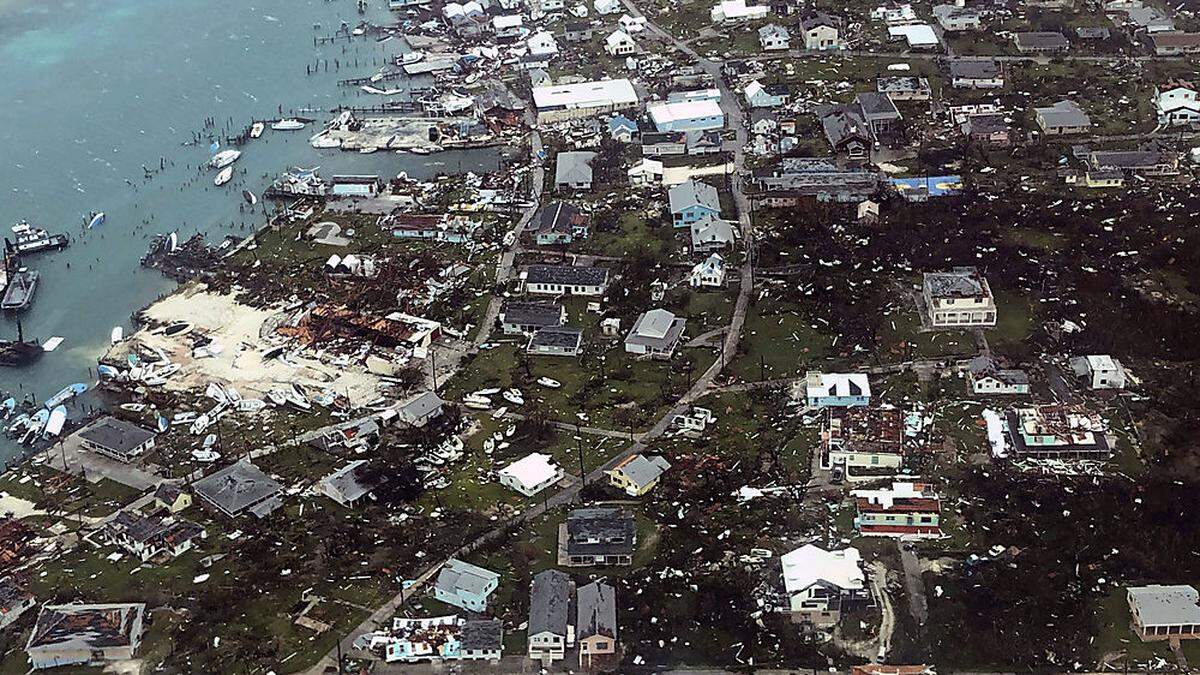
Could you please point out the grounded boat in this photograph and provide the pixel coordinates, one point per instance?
(178, 329)
(256, 129)
(224, 158)
(549, 382)
(21, 287)
(288, 125)
(54, 425)
(223, 177)
(29, 239)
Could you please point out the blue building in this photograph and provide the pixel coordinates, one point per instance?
(687, 116)
(837, 390)
(692, 202)
(465, 585)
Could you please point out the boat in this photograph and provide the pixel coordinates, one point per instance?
(224, 177)
(368, 150)
(514, 397)
(273, 352)
(296, 398)
(168, 370)
(419, 150)
(133, 407)
(18, 352)
(107, 372)
(500, 412)
(549, 383)
(154, 381)
(288, 125)
(29, 239)
(412, 57)
(476, 402)
(251, 405)
(21, 286)
(249, 197)
(256, 129)
(224, 158)
(66, 394)
(178, 329)
(17, 425)
(163, 424)
(490, 391)
(183, 417)
(8, 406)
(96, 220)
(200, 424)
(117, 335)
(209, 441)
(54, 425)
(206, 456)
(34, 426)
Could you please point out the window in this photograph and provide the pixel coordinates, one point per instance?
(601, 645)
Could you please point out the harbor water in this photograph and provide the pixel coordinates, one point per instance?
(99, 94)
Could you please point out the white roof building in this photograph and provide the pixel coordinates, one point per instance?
(531, 474)
(542, 43)
(686, 114)
(811, 565)
(918, 36)
(595, 96)
(606, 6)
(729, 11)
(708, 273)
(821, 386)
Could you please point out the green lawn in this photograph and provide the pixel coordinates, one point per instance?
(779, 341)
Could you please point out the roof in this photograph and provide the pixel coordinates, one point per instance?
(976, 68)
(643, 469)
(655, 323)
(538, 313)
(573, 167)
(666, 113)
(772, 30)
(549, 603)
(347, 481)
(596, 612)
(875, 106)
(566, 274)
(617, 38)
(12, 594)
(865, 429)
(1064, 114)
(1166, 605)
(586, 94)
(840, 126)
(565, 338)
(693, 193)
(900, 497)
(917, 35)
(1175, 40)
(1042, 40)
(457, 576)
(960, 282)
(837, 384)
(811, 564)
(420, 406)
(87, 627)
(483, 634)
(151, 531)
(237, 487)
(115, 435)
(820, 19)
(1128, 159)
(532, 469)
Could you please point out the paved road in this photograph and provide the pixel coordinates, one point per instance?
(926, 56)
(504, 268)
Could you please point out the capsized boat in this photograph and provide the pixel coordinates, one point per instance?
(514, 397)
(66, 394)
(21, 286)
(288, 125)
(224, 177)
(224, 158)
(107, 372)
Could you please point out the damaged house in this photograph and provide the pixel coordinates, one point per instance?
(820, 584)
(905, 510)
(594, 537)
(1056, 431)
(92, 635)
(866, 438)
(152, 537)
(957, 298)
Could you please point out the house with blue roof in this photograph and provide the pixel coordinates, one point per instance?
(693, 201)
(621, 128)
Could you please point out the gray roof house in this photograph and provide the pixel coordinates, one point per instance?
(565, 280)
(638, 474)
(482, 638)
(692, 200)
(238, 488)
(525, 317)
(597, 536)
(116, 438)
(67, 635)
(596, 620)
(556, 341)
(1041, 42)
(573, 170)
(878, 111)
(465, 585)
(549, 615)
(346, 486)
(976, 73)
(773, 37)
(655, 333)
(1064, 117)
(420, 410)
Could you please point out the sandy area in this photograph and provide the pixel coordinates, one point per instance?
(676, 175)
(241, 331)
(20, 508)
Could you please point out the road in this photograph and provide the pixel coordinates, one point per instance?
(918, 604)
(735, 119)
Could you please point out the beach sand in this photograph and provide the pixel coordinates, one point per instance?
(244, 333)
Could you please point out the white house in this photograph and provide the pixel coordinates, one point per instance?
(821, 32)
(1175, 103)
(774, 37)
(604, 7)
(542, 43)
(656, 334)
(818, 582)
(845, 390)
(646, 172)
(710, 273)
(1100, 371)
(632, 24)
(547, 6)
(987, 378)
(737, 11)
(758, 96)
(960, 297)
(618, 43)
(712, 234)
(531, 474)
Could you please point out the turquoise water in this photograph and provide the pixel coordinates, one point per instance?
(96, 89)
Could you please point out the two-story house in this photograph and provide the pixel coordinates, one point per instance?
(550, 629)
(907, 510)
(599, 536)
(820, 584)
(959, 298)
(465, 585)
(692, 201)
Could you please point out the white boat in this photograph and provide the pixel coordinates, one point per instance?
(490, 391)
(420, 150)
(251, 405)
(133, 407)
(548, 382)
(368, 150)
(54, 425)
(500, 412)
(324, 142)
(224, 177)
(256, 129)
(66, 394)
(117, 334)
(206, 456)
(250, 198)
(183, 417)
(412, 57)
(288, 125)
(514, 397)
(155, 381)
(201, 424)
(169, 370)
(277, 397)
(224, 158)
(96, 221)
(476, 402)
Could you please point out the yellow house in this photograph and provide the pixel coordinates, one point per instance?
(172, 497)
(638, 474)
